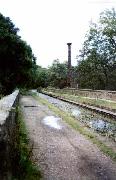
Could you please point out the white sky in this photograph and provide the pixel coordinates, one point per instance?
(47, 25)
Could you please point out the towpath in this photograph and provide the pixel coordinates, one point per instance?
(62, 153)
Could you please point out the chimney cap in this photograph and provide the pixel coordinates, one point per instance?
(69, 44)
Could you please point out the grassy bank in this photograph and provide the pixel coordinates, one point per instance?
(25, 168)
(78, 127)
(105, 104)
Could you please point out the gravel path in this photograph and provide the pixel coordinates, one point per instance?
(62, 153)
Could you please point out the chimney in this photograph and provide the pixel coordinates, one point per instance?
(69, 75)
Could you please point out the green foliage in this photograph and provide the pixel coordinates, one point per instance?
(58, 74)
(17, 62)
(97, 61)
(55, 75)
(1, 96)
(24, 91)
(24, 167)
(42, 77)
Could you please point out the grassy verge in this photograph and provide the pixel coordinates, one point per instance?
(1, 96)
(105, 104)
(77, 126)
(25, 167)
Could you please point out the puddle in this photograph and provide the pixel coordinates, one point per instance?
(52, 121)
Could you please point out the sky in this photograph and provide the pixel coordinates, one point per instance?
(48, 25)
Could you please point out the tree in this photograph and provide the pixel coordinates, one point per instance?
(97, 60)
(17, 61)
(42, 77)
(58, 74)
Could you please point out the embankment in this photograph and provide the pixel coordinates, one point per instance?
(101, 94)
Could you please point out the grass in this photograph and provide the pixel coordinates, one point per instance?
(77, 126)
(105, 104)
(1, 96)
(26, 168)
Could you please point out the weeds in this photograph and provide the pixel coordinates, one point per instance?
(1, 96)
(24, 91)
(24, 168)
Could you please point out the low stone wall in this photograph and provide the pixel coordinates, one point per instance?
(101, 94)
(7, 124)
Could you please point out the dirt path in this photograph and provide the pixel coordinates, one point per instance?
(62, 153)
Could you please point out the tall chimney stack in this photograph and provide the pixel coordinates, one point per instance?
(69, 75)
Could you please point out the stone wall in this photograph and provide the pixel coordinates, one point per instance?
(101, 94)
(7, 124)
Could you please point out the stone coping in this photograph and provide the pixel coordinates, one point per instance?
(6, 105)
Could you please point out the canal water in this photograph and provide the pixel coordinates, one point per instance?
(100, 123)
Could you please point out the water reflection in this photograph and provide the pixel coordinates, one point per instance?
(52, 121)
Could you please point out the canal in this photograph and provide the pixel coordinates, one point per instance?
(101, 124)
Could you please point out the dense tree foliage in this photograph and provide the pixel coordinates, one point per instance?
(97, 61)
(42, 77)
(55, 75)
(58, 74)
(17, 62)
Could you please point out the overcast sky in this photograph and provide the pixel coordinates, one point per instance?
(47, 25)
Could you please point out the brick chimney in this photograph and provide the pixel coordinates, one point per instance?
(69, 75)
